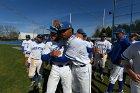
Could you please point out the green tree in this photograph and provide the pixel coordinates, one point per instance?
(137, 25)
(97, 33)
(103, 30)
(109, 31)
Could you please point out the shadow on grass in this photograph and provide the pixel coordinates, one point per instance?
(96, 87)
(34, 90)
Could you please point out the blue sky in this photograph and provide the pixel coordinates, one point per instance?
(28, 15)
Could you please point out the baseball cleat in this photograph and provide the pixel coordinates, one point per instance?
(102, 78)
(39, 86)
(32, 84)
(121, 92)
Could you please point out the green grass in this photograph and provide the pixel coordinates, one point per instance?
(13, 75)
(100, 87)
(14, 78)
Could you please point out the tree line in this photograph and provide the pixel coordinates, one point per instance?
(133, 28)
(8, 32)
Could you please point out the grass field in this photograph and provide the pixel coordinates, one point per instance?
(14, 78)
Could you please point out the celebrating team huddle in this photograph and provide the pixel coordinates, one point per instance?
(72, 56)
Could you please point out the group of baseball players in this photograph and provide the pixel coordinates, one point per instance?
(72, 55)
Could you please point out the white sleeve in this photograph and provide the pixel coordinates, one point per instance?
(89, 44)
(22, 44)
(109, 45)
(46, 49)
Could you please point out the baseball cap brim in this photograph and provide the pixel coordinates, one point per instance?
(54, 31)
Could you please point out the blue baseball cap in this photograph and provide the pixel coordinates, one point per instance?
(40, 36)
(81, 31)
(84, 35)
(53, 29)
(65, 25)
(121, 31)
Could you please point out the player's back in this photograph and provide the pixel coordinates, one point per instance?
(77, 50)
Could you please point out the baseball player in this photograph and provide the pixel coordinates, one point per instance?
(60, 64)
(81, 34)
(133, 39)
(35, 50)
(25, 45)
(117, 72)
(76, 51)
(110, 65)
(103, 46)
(133, 53)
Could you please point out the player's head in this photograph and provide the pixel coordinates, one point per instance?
(120, 33)
(28, 37)
(65, 30)
(39, 38)
(133, 36)
(103, 36)
(80, 33)
(53, 33)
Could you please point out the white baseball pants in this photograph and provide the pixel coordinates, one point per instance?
(116, 74)
(81, 81)
(101, 61)
(66, 79)
(34, 64)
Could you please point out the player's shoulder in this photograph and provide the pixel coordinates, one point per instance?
(30, 41)
(108, 42)
(23, 41)
(125, 40)
(49, 42)
(136, 45)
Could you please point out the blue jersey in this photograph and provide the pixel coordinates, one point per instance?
(118, 48)
(55, 45)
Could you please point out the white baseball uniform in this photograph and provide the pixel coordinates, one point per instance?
(35, 49)
(60, 70)
(25, 45)
(133, 53)
(103, 46)
(81, 67)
